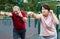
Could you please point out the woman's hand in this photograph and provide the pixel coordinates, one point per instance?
(30, 13)
(51, 11)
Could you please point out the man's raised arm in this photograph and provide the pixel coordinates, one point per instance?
(6, 13)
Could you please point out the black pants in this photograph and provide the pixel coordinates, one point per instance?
(19, 34)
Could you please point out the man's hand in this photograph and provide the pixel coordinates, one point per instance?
(2, 13)
(20, 14)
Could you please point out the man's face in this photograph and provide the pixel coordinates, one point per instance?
(15, 9)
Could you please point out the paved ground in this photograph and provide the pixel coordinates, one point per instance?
(6, 30)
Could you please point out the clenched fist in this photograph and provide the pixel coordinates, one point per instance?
(30, 13)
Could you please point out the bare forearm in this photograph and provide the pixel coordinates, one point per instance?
(24, 19)
(6, 14)
(32, 14)
(55, 19)
(35, 16)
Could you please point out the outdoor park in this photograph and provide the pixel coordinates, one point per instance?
(32, 25)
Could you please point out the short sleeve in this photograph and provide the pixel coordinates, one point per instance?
(39, 15)
(24, 14)
(12, 13)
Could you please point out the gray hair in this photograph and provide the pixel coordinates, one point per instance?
(16, 7)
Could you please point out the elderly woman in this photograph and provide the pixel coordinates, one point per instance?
(47, 19)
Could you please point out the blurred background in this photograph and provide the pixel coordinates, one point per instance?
(32, 25)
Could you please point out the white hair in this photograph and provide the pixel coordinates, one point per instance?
(16, 7)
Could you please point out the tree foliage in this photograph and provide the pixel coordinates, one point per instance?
(32, 5)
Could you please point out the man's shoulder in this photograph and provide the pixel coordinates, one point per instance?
(23, 11)
(12, 12)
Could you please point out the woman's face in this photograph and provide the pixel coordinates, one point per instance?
(44, 11)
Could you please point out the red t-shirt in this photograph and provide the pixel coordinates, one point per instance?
(18, 23)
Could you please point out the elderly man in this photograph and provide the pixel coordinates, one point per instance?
(19, 18)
